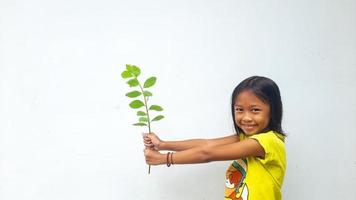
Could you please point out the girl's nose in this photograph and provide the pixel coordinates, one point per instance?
(246, 118)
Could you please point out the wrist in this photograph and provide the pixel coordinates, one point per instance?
(163, 159)
(162, 145)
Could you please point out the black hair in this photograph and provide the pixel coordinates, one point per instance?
(266, 90)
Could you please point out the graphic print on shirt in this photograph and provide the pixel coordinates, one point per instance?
(235, 186)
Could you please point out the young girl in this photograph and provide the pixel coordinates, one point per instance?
(257, 149)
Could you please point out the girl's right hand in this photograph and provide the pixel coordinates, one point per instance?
(152, 141)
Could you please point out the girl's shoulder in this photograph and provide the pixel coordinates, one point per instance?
(275, 134)
(268, 134)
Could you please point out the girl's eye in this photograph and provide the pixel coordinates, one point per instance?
(238, 109)
(255, 110)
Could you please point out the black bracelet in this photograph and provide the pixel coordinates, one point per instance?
(168, 163)
(172, 158)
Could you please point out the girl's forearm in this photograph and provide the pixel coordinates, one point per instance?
(193, 143)
(191, 156)
(182, 145)
(211, 152)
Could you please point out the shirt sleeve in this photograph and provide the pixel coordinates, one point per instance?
(269, 142)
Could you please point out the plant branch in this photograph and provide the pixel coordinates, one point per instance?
(148, 118)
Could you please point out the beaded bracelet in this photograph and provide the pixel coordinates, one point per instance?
(172, 158)
(168, 163)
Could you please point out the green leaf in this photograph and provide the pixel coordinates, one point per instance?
(141, 113)
(126, 74)
(140, 124)
(159, 117)
(147, 93)
(143, 119)
(150, 82)
(156, 108)
(136, 104)
(133, 94)
(133, 69)
(133, 82)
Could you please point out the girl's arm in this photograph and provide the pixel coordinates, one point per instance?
(152, 141)
(207, 153)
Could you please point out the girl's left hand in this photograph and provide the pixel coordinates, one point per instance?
(154, 157)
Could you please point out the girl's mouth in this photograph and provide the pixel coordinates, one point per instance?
(248, 127)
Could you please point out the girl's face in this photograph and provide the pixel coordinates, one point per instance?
(251, 113)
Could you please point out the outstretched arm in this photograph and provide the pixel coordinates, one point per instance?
(207, 153)
(152, 141)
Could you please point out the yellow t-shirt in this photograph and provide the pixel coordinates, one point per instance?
(254, 178)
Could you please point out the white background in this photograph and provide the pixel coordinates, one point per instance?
(65, 124)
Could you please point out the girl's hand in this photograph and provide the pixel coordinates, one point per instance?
(152, 141)
(154, 157)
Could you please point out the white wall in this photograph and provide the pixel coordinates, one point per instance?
(65, 128)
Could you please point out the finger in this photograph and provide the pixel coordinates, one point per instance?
(148, 143)
(147, 139)
(149, 146)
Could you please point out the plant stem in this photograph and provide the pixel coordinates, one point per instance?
(148, 118)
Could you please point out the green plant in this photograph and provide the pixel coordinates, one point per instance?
(141, 98)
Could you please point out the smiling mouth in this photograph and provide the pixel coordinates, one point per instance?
(249, 126)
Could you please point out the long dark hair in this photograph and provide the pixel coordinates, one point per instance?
(266, 90)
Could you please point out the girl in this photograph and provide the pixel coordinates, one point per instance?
(257, 149)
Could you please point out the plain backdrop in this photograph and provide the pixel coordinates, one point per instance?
(65, 124)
